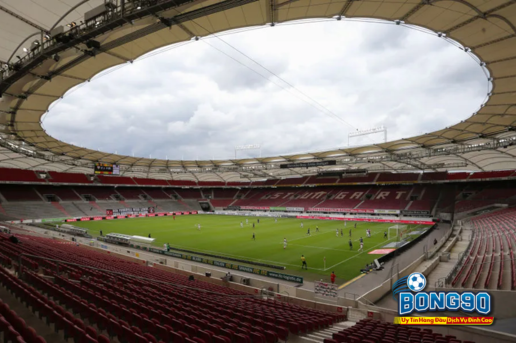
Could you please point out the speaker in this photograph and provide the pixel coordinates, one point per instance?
(93, 44)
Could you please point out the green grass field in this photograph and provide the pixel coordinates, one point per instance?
(222, 235)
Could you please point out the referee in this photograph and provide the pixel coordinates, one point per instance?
(303, 260)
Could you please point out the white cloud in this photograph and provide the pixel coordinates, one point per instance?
(196, 102)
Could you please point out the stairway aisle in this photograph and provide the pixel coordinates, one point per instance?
(319, 336)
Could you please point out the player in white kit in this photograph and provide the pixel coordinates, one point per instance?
(284, 243)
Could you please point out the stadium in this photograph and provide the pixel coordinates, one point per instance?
(310, 247)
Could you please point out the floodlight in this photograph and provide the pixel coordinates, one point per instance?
(25, 50)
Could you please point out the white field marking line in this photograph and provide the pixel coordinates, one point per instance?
(352, 257)
(310, 246)
(296, 239)
(319, 233)
(238, 256)
(371, 249)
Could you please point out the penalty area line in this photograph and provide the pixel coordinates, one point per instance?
(352, 257)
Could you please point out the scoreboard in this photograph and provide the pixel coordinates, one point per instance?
(107, 169)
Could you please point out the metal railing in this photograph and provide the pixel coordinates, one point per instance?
(460, 261)
(91, 28)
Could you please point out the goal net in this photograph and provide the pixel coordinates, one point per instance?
(397, 230)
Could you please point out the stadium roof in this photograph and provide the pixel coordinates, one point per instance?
(125, 30)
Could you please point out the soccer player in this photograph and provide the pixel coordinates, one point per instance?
(199, 227)
(332, 277)
(385, 234)
(341, 232)
(165, 247)
(303, 260)
(284, 243)
(317, 229)
(345, 223)
(350, 245)
(349, 232)
(308, 232)
(253, 225)
(258, 220)
(241, 224)
(336, 232)
(368, 232)
(361, 246)
(361, 240)
(355, 225)
(301, 224)
(254, 237)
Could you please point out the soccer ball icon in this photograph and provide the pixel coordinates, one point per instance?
(416, 282)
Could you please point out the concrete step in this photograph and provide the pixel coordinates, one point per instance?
(321, 335)
(344, 325)
(307, 339)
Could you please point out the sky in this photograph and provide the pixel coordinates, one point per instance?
(290, 88)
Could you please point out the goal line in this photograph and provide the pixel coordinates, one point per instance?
(397, 230)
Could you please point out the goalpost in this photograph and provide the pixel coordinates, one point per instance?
(398, 229)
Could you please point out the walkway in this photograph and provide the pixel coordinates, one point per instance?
(373, 279)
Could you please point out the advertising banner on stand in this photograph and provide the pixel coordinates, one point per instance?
(247, 269)
(371, 220)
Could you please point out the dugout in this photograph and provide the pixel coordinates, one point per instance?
(141, 241)
(121, 239)
(73, 230)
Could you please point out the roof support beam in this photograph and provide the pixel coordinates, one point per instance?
(413, 11)
(345, 8)
(469, 161)
(483, 16)
(19, 17)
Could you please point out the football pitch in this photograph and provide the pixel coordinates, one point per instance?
(222, 235)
